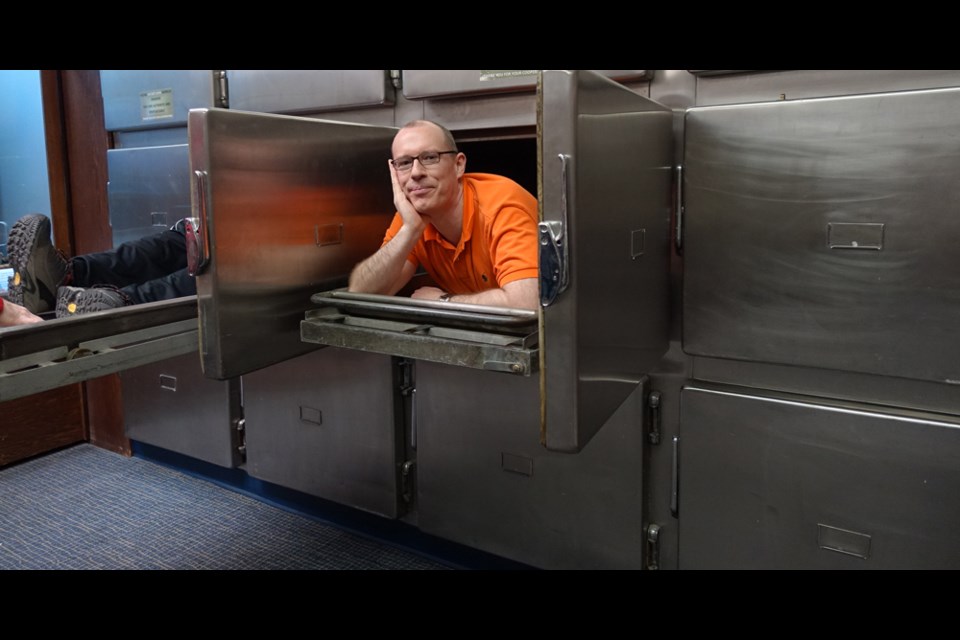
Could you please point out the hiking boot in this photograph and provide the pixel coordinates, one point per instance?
(38, 267)
(74, 301)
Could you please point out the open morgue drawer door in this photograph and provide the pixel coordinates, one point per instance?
(283, 207)
(606, 156)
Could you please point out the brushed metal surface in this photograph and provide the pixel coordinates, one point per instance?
(433, 83)
(323, 424)
(124, 95)
(51, 368)
(484, 480)
(768, 479)
(765, 185)
(610, 326)
(170, 404)
(507, 352)
(148, 190)
(150, 137)
(273, 183)
(772, 85)
(303, 90)
(32, 338)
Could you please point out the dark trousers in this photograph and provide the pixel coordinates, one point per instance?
(148, 269)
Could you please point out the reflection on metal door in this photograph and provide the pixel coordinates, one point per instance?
(288, 206)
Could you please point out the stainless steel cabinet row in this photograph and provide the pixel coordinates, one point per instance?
(784, 237)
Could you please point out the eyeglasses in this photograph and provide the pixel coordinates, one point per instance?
(427, 158)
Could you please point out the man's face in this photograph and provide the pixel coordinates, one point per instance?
(433, 190)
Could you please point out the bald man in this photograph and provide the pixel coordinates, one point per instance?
(475, 234)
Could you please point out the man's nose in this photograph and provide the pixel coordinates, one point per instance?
(417, 168)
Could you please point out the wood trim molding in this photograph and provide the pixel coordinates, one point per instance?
(53, 124)
(83, 171)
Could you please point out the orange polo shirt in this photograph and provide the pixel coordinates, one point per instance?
(498, 243)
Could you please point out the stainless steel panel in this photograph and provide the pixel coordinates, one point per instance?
(484, 480)
(63, 351)
(148, 191)
(272, 190)
(499, 112)
(301, 90)
(606, 164)
(674, 88)
(150, 137)
(516, 354)
(437, 312)
(170, 404)
(432, 83)
(151, 99)
(849, 385)
(759, 86)
(774, 481)
(323, 424)
(768, 277)
(721, 72)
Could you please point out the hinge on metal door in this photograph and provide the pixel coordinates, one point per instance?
(221, 97)
(653, 401)
(406, 481)
(240, 425)
(408, 391)
(675, 479)
(396, 79)
(653, 547)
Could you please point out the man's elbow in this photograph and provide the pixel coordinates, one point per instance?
(528, 302)
(523, 294)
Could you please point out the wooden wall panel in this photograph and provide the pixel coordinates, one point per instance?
(40, 423)
(86, 142)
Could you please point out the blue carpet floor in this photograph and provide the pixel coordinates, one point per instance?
(87, 508)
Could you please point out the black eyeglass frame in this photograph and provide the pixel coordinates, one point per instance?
(417, 158)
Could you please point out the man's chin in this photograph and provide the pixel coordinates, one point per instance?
(423, 209)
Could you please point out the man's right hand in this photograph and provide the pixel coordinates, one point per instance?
(388, 270)
(411, 217)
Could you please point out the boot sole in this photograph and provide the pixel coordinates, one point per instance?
(29, 244)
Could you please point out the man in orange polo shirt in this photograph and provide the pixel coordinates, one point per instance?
(475, 234)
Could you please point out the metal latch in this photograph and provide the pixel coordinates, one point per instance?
(653, 547)
(555, 247)
(197, 238)
(553, 262)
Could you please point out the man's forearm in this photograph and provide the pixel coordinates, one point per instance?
(380, 272)
(520, 294)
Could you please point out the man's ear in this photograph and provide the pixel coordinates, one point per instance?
(461, 164)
